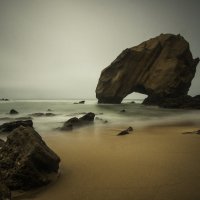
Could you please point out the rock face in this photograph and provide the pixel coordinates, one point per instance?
(10, 126)
(26, 161)
(162, 66)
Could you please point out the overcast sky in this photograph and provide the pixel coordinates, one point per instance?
(55, 49)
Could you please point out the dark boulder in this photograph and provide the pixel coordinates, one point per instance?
(89, 117)
(75, 122)
(69, 124)
(10, 126)
(26, 161)
(123, 110)
(13, 112)
(162, 66)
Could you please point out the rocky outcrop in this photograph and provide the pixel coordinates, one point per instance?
(186, 102)
(10, 126)
(26, 161)
(75, 122)
(162, 66)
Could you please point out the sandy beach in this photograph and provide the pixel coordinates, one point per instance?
(157, 163)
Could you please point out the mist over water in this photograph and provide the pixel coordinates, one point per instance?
(135, 115)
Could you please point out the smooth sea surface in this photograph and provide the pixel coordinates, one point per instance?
(136, 114)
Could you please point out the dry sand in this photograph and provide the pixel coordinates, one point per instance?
(154, 163)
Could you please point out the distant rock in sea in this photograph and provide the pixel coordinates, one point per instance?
(161, 67)
(26, 161)
(48, 114)
(80, 102)
(4, 99)
(13, 112)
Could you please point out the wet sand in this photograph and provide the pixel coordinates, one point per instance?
(154, 163)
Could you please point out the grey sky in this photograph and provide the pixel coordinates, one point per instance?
(54, 49)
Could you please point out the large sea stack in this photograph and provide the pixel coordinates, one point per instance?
(160, 67)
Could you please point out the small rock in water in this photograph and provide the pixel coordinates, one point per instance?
(80, 102)
(13, 112)
(100, 119)
(123, 110)
(77, 122)
(43, 114)
(125, 132)
(68, 125)
(50, 114)
(87, 117)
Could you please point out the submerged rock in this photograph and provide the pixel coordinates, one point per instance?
(77, 122)
(26, 161)
(102, 120)
(123, 110)
(13, 112)
(48, 114)
(162, 66)
(80, 102)
(125, 132)
(4, 99)
(10, 126)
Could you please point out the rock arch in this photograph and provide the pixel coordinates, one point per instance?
(162, 66)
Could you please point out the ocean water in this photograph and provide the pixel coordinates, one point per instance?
(136, 115)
